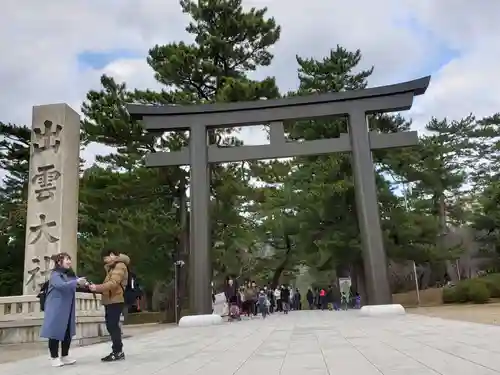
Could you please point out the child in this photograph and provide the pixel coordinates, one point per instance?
(262, 302)
(357, 301)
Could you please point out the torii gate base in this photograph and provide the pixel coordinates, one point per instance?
(354, 104)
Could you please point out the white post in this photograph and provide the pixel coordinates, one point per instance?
(457, 264)
(416, 282)
(52, 217)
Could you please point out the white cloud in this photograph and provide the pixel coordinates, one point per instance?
(471, 81)
(41, 40)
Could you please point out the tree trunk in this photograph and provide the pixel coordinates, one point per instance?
(424, 273)
(157, 297)
(279, 270)
(450, 270)
(342, 271)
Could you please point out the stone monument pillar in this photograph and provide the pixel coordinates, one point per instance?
(52, 218)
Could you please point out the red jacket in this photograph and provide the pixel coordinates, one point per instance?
(322, 293)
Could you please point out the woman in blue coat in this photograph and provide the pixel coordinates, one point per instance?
(59, 320)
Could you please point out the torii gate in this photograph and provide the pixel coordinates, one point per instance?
(360, 141)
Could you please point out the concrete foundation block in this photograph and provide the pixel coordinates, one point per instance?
(382, 310)
(200, 320)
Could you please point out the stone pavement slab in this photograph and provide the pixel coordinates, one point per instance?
(306, 342)
(16, 352)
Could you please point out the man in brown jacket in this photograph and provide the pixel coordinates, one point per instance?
(112, 290)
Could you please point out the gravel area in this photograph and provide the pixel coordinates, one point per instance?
(485, 314)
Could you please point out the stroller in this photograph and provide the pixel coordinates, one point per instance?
(234, 310)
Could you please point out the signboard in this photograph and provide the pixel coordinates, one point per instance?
(220, 306)
(345, 285)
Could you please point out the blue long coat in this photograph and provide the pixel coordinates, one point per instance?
(59, 307)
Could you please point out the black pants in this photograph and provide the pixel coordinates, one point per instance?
(113, 314)
(322, 303)
(263, 309)
(65, 344)
(246, 307)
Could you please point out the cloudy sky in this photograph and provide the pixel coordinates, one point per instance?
(56, 50)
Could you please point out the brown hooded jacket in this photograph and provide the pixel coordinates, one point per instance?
(115, 282)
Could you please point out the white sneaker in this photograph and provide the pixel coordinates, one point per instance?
(56, 362)
(67, 361)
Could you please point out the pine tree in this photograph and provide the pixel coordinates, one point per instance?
(229, 42)
(485, 179)
(447, 159)
(14, 161)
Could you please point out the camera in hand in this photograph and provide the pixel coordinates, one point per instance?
(84, 288)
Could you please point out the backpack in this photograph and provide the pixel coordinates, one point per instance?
(131, 290)
(44, 292)
(42, 296)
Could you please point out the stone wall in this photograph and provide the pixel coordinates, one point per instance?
(21, 318)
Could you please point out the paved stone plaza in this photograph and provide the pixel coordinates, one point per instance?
(313, 343)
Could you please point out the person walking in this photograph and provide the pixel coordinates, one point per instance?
(317, 299)
(241, 297)
(291, 298)
(231, 291)
(249, 302)
(298, 300)
(277, 299)
(322, 299)
(310, 298)
(270, 298)
(263, 303)
(59, 325)
(256, 291)
(113, 298)
(285, 298)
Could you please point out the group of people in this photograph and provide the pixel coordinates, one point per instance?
(332, 298)
(57, 300)
(250, 300)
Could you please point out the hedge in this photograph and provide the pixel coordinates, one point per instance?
(477, 290)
